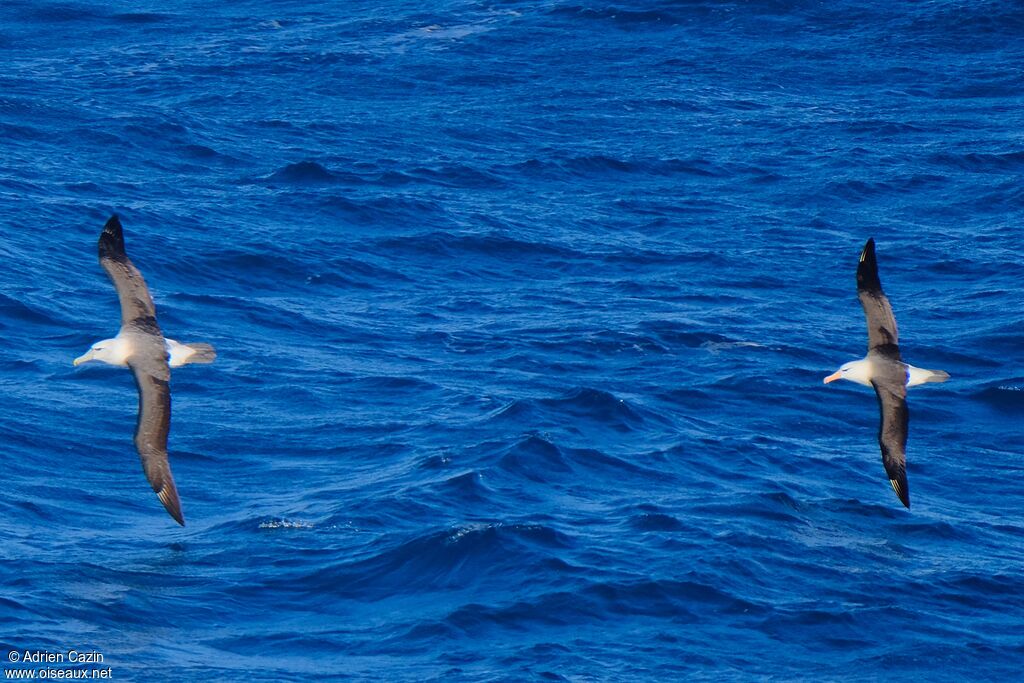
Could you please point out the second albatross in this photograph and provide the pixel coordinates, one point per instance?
(884, 370)
(141, 346)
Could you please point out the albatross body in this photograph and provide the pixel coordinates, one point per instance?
(884, 370)
(141, 346)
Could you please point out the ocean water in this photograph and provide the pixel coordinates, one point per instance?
(522, 310)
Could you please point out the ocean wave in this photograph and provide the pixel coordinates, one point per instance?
(602, 601)
(980, 162)
(456, 175)
(618, 16)
(777, 507)
(58, 12)
(493, 246)
(378, 210)
(442, 560)
(1008, 397)
(308, 173)
(143, 17)
(594, 406)
(655, 521)
(596, 165)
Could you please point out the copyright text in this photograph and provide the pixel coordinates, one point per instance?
(80, 665)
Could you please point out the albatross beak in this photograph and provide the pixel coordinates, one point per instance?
(87, 356)
(834, 376)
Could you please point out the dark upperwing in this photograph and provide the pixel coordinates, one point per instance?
(881, 323)
(892, 430)
(136, 301)
(152, 377)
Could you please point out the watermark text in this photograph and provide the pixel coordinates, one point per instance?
(27, 665)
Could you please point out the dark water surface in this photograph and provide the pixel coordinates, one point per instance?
(523, 310)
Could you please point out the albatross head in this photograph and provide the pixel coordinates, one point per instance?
(111, 351)
(859, 371)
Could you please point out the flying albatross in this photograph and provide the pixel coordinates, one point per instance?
(141, 346)
(883, 369)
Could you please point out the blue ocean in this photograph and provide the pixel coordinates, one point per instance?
(522, 310)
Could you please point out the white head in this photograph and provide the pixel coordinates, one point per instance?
(859, 371)
(112, 351)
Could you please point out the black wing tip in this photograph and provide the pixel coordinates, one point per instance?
(112, 238)
(113, 228)
(902, 492)
(867, 268)
(175, 513)
(168, 495)
(868, 252)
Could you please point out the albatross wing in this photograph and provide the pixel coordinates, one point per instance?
(136, 301)
(152, 377)
(892, 432)
(881, 323)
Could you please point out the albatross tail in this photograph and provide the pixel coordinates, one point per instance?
(184, 354)
(917, 376)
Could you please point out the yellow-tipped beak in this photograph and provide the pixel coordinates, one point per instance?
(834, 376)
(87, 356)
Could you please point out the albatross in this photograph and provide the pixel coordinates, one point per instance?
(142, 347)
(884, 370)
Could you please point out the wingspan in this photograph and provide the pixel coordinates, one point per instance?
(881, 323)
(152, 378)
(892, 433)
(136, 301)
